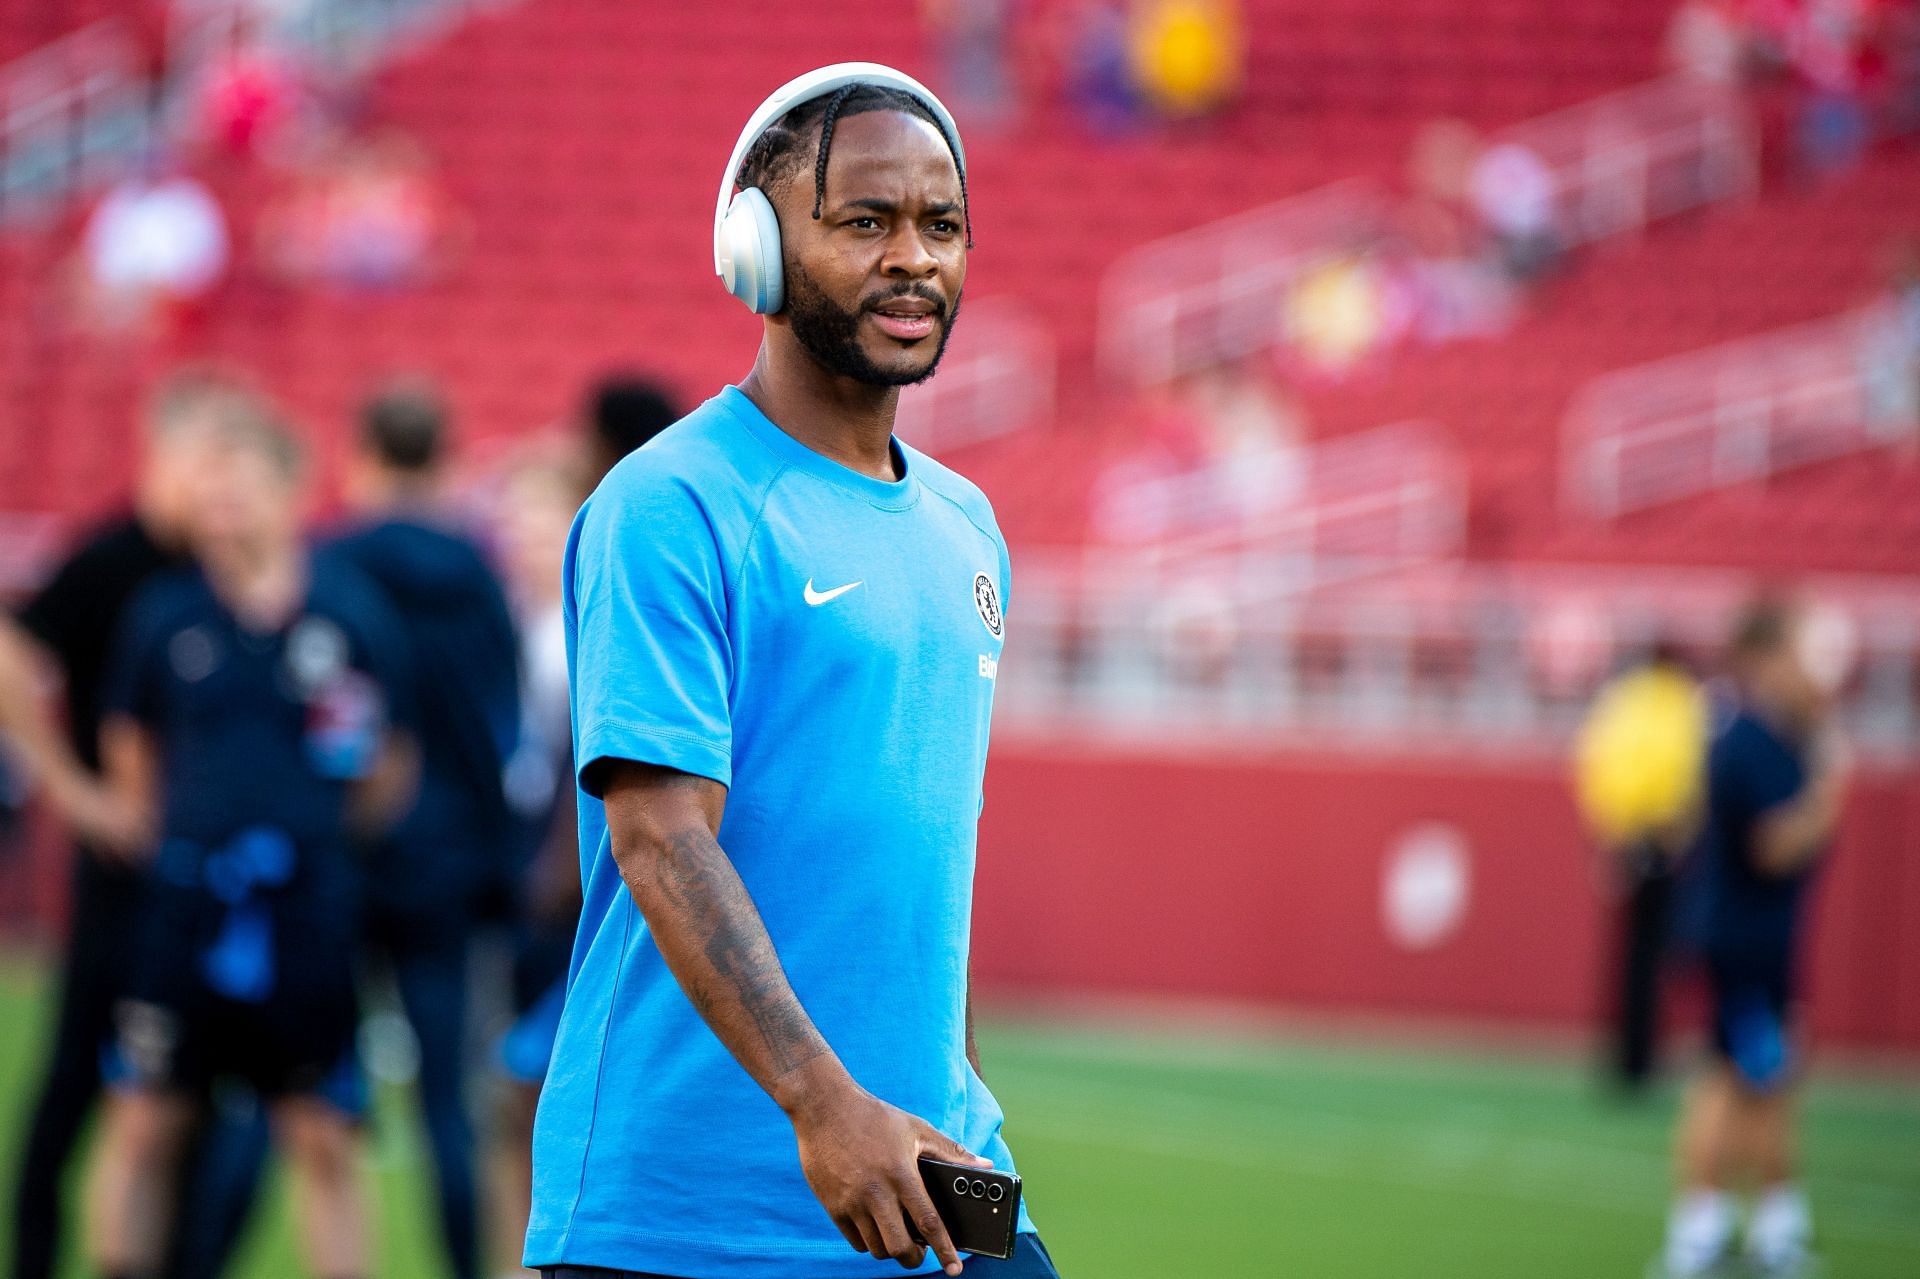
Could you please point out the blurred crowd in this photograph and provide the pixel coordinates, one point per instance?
(307, 770)
(1850, 68)
(1116, 65)
(266, 159)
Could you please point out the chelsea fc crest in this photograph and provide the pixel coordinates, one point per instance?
(987, 600)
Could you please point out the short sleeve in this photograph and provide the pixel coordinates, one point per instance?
(1006, 579)
(58, 612)
(1747, 779)
(652, 659)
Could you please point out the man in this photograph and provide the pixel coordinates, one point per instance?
(248, 725)
(1637, 773)
(66, 630)
(539, 501)
(623, 412)
(783, 630)
(452, 845)
(1775, 782)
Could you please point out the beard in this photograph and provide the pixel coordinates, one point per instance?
(830, 333)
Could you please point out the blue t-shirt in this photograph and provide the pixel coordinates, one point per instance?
(1753, 768)
(824, 644)
(259, 731)
(462, 655)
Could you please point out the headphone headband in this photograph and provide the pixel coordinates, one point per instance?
(818, 84)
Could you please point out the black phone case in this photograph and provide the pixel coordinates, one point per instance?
(979, 1206)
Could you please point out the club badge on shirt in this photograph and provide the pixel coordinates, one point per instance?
(986, 599)
(345, 711)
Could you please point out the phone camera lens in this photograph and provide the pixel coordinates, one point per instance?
(979, 1190)
(959, 1185)
(996, 1192)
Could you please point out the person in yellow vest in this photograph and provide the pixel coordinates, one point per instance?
(1638, 767)
(1187, 55)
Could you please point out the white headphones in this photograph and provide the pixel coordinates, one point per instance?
(746, 234)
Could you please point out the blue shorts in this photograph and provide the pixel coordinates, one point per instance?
(1752, 1005)
(162, 1049)
(527, 1046)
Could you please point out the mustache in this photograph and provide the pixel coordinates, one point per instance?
(926, 293)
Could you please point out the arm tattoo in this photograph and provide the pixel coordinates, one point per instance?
(973, 1048)
(711, 934)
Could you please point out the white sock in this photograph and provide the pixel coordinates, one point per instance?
(1698, 1231)
(1782, 1225)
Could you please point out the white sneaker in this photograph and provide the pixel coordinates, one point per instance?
(1780, 1235)
(1700, 1235)
(1786, 1263)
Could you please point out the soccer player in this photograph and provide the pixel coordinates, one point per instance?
(784, 627)
(451, 845)
(247, 717)
(1775, 783)
(66, 628)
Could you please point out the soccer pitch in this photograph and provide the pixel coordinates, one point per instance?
(1213, 1156)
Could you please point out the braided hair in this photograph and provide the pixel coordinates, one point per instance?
(777, 155)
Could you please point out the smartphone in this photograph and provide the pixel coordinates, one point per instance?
(979, 1206)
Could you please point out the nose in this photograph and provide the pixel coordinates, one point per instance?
(908, 257)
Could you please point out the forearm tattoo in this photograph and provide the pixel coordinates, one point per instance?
(706, 924)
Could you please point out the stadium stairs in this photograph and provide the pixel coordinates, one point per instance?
(1794, 255)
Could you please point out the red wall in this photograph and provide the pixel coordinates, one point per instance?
(1262, 880)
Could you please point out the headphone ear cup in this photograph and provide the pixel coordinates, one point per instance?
(750, 262)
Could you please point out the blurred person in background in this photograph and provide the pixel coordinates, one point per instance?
(1512, 192)
(452, 847)
(152, 250)
(1456, 292)
(622, 412)
(1637, 777)
(250, 726)
(1707, 40)
(250, 93)
(64, 631)
(541, 497)
(368, 213)
(972, 38)
(1828, 45)
(1188, 56)
(1099, 84)
(1776, 781)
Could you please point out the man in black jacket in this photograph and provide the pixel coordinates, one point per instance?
(453, 846)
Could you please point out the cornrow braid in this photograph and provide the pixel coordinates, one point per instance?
(777, 154)
(827, 121)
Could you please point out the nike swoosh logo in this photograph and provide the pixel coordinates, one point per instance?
(817, 598)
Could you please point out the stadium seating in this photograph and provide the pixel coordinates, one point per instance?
(588, 184)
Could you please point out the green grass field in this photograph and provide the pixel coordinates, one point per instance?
(1161, 1156)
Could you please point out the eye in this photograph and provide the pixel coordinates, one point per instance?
(945, 226)
(864, 223)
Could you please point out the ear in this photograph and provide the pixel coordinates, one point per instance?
(749, 251)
